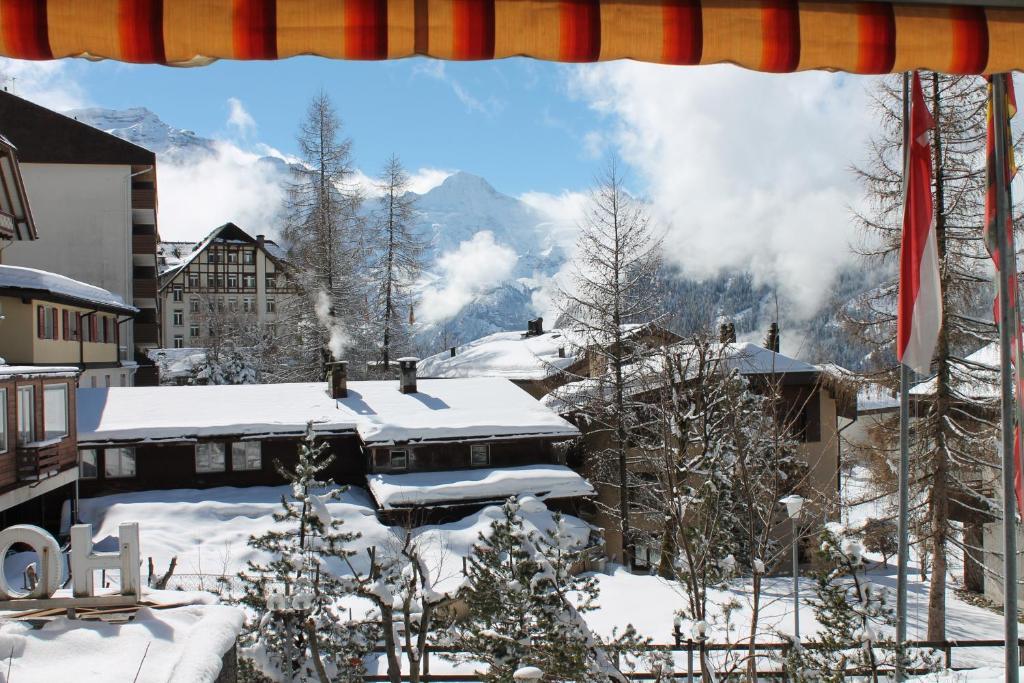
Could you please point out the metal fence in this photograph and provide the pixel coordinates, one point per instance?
(694, 652)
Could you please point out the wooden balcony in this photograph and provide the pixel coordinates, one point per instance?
(144, 244)
(144, 288)
(146, 333)
(143, 198)
(41, 459)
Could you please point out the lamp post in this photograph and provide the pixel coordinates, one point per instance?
(794, 504)
(700, 634)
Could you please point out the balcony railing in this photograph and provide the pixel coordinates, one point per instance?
(38, 460)
(143, 244)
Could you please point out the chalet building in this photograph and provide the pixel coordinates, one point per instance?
(228, 278)
(481, 439)
(38, 455)
(49, 319)
(16, 222)
(536, 360)
(814, 403)
(94, 200)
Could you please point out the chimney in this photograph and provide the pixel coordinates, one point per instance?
(561, 352)
(338, 378)
(260, 240)
(452, 350)
(771, 342)
(407, 383)
(727, 333)
(535, 327)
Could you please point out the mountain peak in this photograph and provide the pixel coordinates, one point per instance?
(467, 182)
(143, 127)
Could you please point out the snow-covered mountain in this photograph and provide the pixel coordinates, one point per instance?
(451, 214)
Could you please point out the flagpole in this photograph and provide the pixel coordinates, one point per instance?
(904, 475)
(1000, 124)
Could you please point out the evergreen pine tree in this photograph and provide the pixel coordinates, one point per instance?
(519, 611)
(297, 631)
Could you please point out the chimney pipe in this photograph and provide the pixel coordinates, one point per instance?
(561, 352)
(338, 378)
(727, 333)
(407, 383)
(535, 327)
(452, 350)
(771, 342)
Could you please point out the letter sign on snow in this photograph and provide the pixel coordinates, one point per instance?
(83, 561)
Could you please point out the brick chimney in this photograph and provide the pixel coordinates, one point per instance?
(407, 381)
(261, 241)
(452, 350)
(535, 327)
(338, 378)
(771, 342)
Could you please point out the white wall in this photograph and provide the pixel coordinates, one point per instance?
(83, 215)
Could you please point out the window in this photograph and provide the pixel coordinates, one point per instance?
(248, 257)
(88, 464)
(179, 341)
(232, 280)
(119, 463)
(213, 256)
(74, 325)
(270, 282)
(3, 420)
(249, 281)
(479, 455)
(232, 304)
(245, 455)
(220, 305)
(177, 294)
(193, 305)
(247, 305)
(233, 256)
(399, 460)
(179, 318)
(193, 330)
(193, 280)
(26, 414)
(271, 306)
(210, 457)
(46, 317)
(55, 411)
(211, 280)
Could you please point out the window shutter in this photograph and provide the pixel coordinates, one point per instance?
(78, 326)
(93, 328)
(55, 321)
(41, 322)
(65, 316)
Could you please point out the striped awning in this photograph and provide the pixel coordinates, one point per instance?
(765, 35)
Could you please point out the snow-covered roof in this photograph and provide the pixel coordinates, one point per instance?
(177, 644)
(483, 485)
(43, 283)
(512, 355)
(441, 410)
(975, 377)
(37, 370)
(175, 256)
(176, 363)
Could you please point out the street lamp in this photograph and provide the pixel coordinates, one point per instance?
(700, 634)
(794, 504)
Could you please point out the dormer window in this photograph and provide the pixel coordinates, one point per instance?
(398, 459)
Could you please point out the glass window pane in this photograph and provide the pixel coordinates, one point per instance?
(119, 463)
(87, 463)
(210, 457)
(55, 411)
(480, 454)
(26, 414)
(399, 459)
(245, 455)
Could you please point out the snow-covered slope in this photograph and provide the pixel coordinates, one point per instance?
(144, 128)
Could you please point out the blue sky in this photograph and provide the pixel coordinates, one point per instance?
(515, 122)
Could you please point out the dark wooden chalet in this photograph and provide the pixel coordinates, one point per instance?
(137, 438)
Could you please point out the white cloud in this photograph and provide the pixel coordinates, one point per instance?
(231, 185)
(475, 266)
(239, 118)
(51, 84)
(436, 70)
(747, 170)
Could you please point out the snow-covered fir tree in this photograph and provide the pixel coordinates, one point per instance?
(295, 631)
(855, 616)
(525, 605)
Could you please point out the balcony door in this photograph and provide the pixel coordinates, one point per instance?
(26, 415)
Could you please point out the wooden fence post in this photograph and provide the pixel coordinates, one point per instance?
(947, 647)
(689, 660)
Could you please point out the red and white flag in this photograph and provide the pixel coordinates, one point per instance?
(919, 308)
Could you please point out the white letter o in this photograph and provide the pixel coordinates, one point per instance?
(48, 551)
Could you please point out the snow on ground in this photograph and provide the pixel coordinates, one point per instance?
(480, 484)
(207, 530)
(179, 644)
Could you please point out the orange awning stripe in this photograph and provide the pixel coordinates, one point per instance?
(765, 35)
